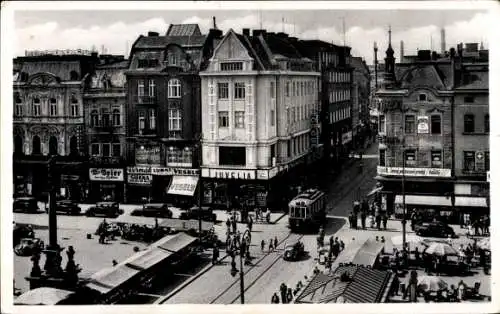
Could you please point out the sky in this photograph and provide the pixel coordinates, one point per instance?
(116, 30)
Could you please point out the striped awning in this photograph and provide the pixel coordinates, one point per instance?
(466, 201)
(423, 200)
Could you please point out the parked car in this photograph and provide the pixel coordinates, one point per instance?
(195, 213)
(294, 252)
(434, 229)
(22, 231)
(159, 210)
(28, 245)
(68, 207)
(25, 204)
(106, 209)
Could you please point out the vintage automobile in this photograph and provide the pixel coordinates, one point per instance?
(294, 252)
(27, 246)
(434, 229)
(195, 212)
(68, 207)
(22, 231)
(25, 204)
(106, 209)
(159, 210)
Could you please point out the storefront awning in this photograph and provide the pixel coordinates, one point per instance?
(423, 200)
(183, 185)
(470, 201)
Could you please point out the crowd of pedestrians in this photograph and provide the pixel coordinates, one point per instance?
(368, 216)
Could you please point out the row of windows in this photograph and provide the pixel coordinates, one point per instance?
(179, 157)
(147, 63)
(36, 107)
(339, 115)
(339, 95)
(299, 113)
(329, 58)
(231, 66)
(435, 124)
(105, 149)
(476, 161)
(174, 88)
(298, 145)
(174, 119)
(105, 118)
(298, 88)
(36, 148)
(239, 119)
(223, 90)
(335, 77)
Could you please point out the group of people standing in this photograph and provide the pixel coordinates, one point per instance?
(286, 294)
(362, 211)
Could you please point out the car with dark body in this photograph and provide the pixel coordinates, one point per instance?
(434, 229)
(68, 207)
(21, 231)
(294, 252)
(106, 209)
(195, 213)
(27, 246)
(159, 210)
(25, 204)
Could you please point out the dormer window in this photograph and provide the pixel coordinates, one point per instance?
(231, 66)
(147, 63)
(172, 59)
(422, 97)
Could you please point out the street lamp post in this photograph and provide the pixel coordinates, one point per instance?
(403, 221)
(242, 249)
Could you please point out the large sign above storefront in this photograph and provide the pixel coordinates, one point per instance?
(183, 185)
(105, 174)
(414, 172)
(147, 154)
(229, 174)
(140, 179)
(164, 171)
(346, 137)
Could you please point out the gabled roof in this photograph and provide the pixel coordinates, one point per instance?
(281, 46)
(183, 30)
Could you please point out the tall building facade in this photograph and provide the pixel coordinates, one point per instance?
(104, 113)
(258, 96)
(433, 131)
(163, 113)
(49, 121)
(361, 91)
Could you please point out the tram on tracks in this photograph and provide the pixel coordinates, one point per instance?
(307, 210)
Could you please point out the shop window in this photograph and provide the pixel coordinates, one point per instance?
(52, 146)
(174, 88)
(486, 123)
(409, 124)
(469, 160)
(232, 156)
(179, 157)
(239, 90)
(410, 157)
(223, 90)
(381, 157)
(436, 124)
(469, 123)
(95, 149)
(37, 146)
(117, 148)
(239, 119)
(437, 158)
(116, 117)
(223, 119)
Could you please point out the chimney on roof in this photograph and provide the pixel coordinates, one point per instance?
(401, 51)
(246, 31)
(424, 55)
(443, 40)
(153, 34)
(257, 32)
(471, 47)
(215, 25)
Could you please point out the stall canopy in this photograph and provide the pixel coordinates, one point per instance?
(110, 278)
(185, 225)
(423, 200)
(368, 253)
(177, 242)
(470, 201)
(183, 185)
(149, 258)
(43, 296)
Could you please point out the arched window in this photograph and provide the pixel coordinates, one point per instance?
(52, 145)
(18, 145)
(105, 117)
(174, 88)
(94, 118)
(36, 150)
(469, 123)
(73, 146)
(53, 107)
(18, 105)
(116, 117)
(74, 76)
(37, 110)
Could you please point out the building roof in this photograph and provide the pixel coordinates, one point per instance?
(365, 285)
(160, 42)
(423, 75)
(183, 30)
(475, 80)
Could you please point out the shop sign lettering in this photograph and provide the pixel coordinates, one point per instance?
(346, 137)
(414, 172)
(183, 187)
(105, 174)
(142, 179)
(232, 174)
(164, 171)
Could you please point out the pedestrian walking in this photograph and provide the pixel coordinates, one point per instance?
(250, 223)
(283, 291)
(262, 245)
(289, 295)
(342, 245)
(384, 220)
(228, 225)
(363, 220)
(276, 242)
(275, 299)
(378, 220)
(271, 248)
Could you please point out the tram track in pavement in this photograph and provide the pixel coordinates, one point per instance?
(249, 273)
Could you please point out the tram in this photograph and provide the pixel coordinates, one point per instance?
(307, 210)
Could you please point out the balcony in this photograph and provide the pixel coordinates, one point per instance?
(144, 99)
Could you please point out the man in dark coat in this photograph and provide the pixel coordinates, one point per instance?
(363, 219)
(283, 291)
